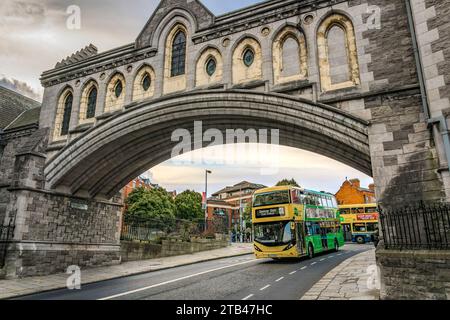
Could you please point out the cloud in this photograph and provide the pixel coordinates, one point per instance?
(21, 12)
(311, 170)
(20, 87)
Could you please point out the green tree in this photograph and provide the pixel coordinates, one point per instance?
(188, 206)
(155, 206)
(247, 214)
(286, 182)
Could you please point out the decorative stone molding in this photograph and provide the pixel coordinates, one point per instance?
(241, 72)
(279, 65)
(139, 92)
(113, 102)
(202, 78)
(344, 23)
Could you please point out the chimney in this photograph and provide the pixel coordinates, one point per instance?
(356, 183)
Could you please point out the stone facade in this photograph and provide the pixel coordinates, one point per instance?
(364, 106)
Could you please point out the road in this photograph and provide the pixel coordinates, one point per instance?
(239, 278)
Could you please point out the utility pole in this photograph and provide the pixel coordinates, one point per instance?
(240, 215)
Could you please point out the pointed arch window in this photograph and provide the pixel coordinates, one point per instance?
(92, 103)
(146, 82)
(178, 54)
(66, 115)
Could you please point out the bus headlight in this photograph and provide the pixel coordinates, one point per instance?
(281, 211)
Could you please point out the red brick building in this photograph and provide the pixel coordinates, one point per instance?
(227, 202)
(139, 182)
(352, 193)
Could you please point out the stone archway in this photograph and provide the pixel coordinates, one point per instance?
(101, 161)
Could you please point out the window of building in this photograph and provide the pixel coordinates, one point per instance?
(118, 89)
(92, 103)
(337, 51)
(290, 57)
(249, 57)
(178, 54)
(66, 115)
(211, 67)
(146, 82)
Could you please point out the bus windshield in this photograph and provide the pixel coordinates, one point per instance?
(271, 198)
(273, 234)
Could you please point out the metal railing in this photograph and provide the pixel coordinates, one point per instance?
(153, 230)
(420, 226)
(6, 233)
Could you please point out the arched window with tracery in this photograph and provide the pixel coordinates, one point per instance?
(92, 103)
(175, 59)
(178, 54)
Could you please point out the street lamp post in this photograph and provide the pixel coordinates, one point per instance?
(206, 197)
(240, 216)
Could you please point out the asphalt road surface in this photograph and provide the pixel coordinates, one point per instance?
(239, 278)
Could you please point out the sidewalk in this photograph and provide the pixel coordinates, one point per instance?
(348, 281)
(25, 286)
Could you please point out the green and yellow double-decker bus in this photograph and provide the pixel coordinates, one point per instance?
(291, 222)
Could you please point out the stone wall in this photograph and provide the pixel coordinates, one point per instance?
(418, 274)
(133, 251)
(176, 248)
(54, 231)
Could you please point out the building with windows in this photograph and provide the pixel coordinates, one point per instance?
(229, 202)
(139, 182)
(351, 192)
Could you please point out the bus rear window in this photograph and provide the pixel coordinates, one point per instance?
(271, 198)
(359, 227)
(372, 210)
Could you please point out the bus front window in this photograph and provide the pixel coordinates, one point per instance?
(271, 198)
(273, 234)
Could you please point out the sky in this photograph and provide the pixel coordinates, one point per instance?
(34, 36)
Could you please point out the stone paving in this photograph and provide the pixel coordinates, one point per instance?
(18, 287)
(353, 279)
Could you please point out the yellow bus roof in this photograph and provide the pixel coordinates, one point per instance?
(271, 189)
(364, 205)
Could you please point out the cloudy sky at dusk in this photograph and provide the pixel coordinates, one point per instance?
(34, 36)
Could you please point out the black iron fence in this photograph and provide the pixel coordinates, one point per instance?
(6, 233)
(421, 226)
(155, 230)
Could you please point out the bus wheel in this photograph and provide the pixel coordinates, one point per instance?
(360, 240)
(310, 251)
(336, 245)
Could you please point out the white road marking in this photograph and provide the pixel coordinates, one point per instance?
(323, 259)
(304, 268)
(330, 257)
(340, 254)
(278, 280)
(175, 280)
(313, 263)
(264, 288)
(248, 297)
(293, 272)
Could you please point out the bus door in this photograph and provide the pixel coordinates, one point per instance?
(347, 228)
(300, 238)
